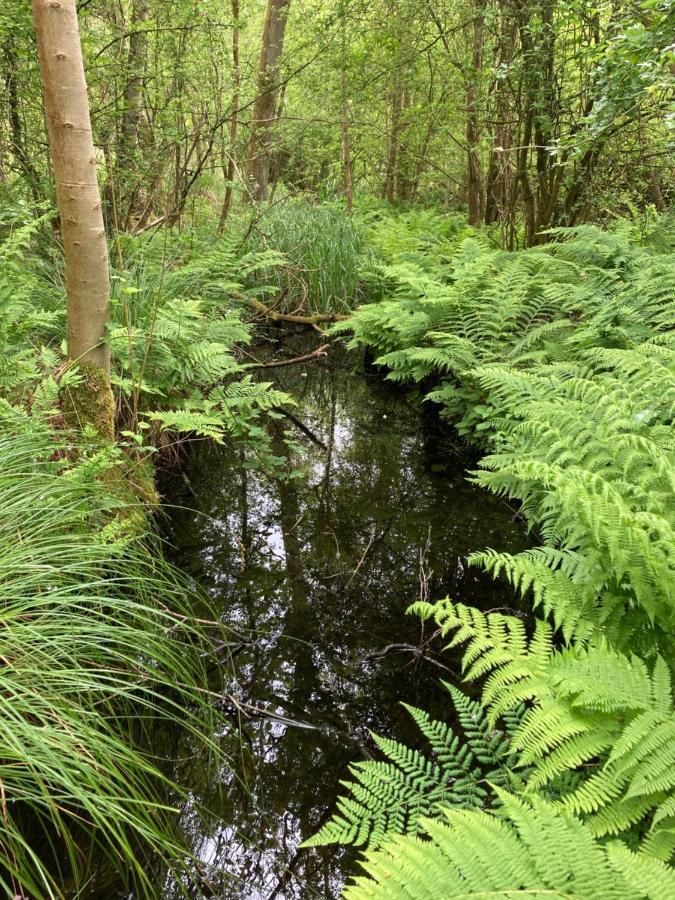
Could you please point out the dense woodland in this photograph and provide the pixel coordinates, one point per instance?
(475, 198)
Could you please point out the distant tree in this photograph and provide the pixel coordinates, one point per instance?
(265, 106)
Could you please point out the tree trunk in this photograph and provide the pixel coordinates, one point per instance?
(346, 145)
(474, 168)
(392, 155)
(234, 121)
(656, 192)
(524, 182)
(265, 106)
(133, 106)
(79, 202)
(18, 138)
(544, 118)
(499, 192)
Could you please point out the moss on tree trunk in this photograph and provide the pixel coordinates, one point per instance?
(90, 402)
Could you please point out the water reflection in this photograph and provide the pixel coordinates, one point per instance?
(316, 574)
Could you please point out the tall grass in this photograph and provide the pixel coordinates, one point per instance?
(94, 653)
(323, 247)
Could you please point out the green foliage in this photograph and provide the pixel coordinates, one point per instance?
(320, 248)
(97, 650)
(421, 237)
(637, 65)
(589, 728)
(589, 456)
(528, 849)
(393, 797)
(175, 335)
(560, 360)
(26, 311)
(593, 711)
(176, 340)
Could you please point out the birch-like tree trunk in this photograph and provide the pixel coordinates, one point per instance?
(79, 202)
(346, 143)
(394, 136)
(234, 121)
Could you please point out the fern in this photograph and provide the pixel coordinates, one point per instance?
(529, 848)
(560, 360)
(590, 460)
(591, 709)
(394, 795)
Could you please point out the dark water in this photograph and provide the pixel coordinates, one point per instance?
(316, 573)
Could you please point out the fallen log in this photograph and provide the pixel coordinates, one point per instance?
(275, 316)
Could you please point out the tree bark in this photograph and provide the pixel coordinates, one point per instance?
(234, 121)
(265, 106)
(473, 135)
(545, 117)
(392, 154)
(346, 143)
(499, 188)
(133, 104)
(524, 182)
(79, 203)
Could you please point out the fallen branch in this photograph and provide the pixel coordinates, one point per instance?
(315, 354)
(408, 648)
(275, 316)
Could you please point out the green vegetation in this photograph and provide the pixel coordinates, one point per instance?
(318, 256)
(532, 849)
(560, 362)
(557, 362)
(474, 194)
(96, 653)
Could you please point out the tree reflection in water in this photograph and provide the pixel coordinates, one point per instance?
(317, 572)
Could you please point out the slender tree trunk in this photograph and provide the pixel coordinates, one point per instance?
(265, 106)
(499, 187)
(346, 145)
(133, 106)
(405, 164)
(473, 133)
(79, 202)
(544, 118)
(392, 154)
(524, 182)
(234, 121)
(18, 138)
(133, 91)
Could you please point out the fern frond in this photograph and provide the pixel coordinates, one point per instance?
(530, 850)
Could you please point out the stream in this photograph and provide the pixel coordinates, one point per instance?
(315, 573)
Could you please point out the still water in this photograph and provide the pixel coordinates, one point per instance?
(314, 575)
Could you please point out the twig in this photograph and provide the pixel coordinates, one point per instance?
(408, 648)
(302, 427)
(315, 354)
(363, 557)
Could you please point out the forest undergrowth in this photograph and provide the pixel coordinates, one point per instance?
(106, 644)
(557, 362)
(286, 164)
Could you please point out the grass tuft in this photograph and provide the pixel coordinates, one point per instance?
(95, 652)
(323, 248)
